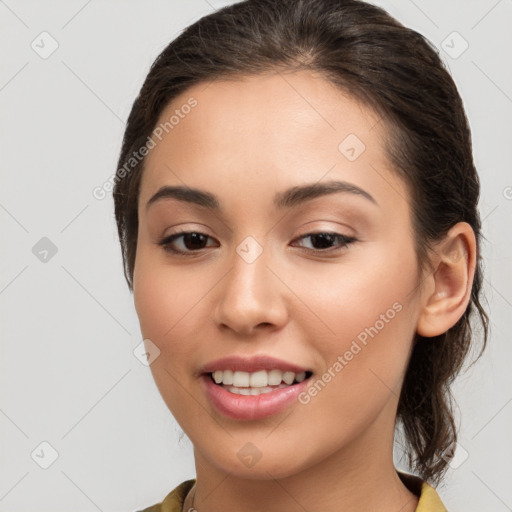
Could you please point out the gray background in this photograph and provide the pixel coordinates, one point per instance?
(68, 373)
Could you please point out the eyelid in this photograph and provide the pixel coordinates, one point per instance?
(344, 240)
(166, 242)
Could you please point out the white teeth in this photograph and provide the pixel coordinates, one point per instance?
(300, 376)
(289, 377)
(275, 377)
(227, 377)
(241, 379)
(256, 380)
(253, 391)
(259, 379)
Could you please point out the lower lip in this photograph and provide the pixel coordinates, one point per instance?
(252, 407)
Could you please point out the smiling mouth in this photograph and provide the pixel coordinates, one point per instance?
(257, 383)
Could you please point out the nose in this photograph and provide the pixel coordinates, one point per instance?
(250, 298)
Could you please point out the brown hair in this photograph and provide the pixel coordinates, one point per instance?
(397, 72)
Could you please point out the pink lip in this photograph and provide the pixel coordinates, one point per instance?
(251, 407)
(251, 364)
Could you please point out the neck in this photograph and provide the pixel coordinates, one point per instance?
(359, 477)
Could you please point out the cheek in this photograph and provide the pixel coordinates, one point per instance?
(366, 310)
(166, 303)
(166, 300)
(348, 297)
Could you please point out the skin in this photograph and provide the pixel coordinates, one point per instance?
(246, 140)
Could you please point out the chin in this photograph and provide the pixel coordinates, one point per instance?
(251, 464)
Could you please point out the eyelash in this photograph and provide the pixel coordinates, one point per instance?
(345, 241)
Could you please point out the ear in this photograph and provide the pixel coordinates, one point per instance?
(447, 289)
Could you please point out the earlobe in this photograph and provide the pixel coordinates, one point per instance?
(454, 268)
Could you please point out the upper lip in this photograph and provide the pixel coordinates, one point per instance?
(251, 364)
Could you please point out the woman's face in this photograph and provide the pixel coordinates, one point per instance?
(257, 296)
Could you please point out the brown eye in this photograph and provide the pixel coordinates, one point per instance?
(322, 241)
(185, 242)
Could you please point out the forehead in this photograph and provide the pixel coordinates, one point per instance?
(269, 131)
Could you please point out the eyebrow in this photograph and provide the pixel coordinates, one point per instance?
(287, 199)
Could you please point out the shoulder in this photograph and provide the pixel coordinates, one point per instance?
(429, 499)
(173, 502)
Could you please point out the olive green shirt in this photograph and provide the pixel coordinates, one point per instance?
(429, 500)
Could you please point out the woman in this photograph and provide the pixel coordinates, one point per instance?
(296, 202)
